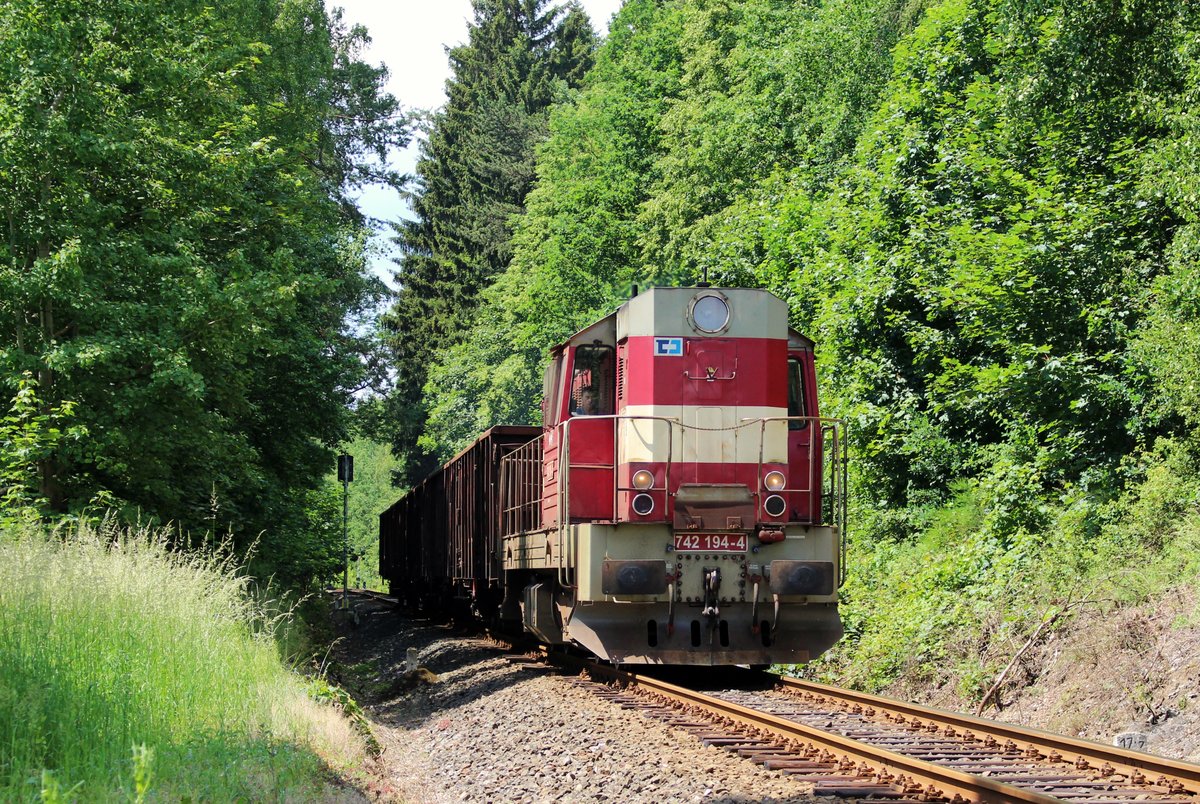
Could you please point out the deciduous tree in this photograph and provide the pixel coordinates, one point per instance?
(179, 257)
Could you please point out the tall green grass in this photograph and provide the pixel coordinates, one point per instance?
(128, 670)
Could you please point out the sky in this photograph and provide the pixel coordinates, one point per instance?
(411, 37)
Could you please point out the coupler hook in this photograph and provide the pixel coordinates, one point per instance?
(754, 628)
(712, 599)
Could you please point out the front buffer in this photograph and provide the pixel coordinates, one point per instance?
(647, 594)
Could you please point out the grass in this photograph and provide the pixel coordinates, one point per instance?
(128, 671)
(941, 597)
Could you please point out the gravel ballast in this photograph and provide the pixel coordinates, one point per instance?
(491, 730)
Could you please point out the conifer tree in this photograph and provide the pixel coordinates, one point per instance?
(475, 170)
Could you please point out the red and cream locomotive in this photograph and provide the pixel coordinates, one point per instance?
(681, 504)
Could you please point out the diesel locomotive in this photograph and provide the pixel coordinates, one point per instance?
(682, 503)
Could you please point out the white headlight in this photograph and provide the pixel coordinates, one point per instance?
(774, 481)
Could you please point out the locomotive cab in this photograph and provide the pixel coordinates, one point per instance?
(684, 503)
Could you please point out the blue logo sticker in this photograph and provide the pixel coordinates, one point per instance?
(668, 347)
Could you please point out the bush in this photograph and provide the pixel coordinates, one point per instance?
(941, 596)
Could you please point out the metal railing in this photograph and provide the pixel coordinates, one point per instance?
(565, 465)
(523, 487)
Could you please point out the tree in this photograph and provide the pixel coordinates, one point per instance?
(180, 257)
(981, 267)
(27, 435)
(475, 171)
(1168, 340)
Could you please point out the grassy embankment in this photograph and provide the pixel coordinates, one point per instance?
(128, 671)
(942, 597)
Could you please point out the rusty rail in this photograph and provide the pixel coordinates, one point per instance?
(851, 744)
(1081, 754)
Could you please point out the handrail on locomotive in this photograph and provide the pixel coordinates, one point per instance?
(521, 494)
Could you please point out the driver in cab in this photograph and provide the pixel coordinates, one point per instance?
(586, 403)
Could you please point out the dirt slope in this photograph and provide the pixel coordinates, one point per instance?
(1103, 673)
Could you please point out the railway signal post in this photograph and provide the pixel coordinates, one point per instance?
(345, 475)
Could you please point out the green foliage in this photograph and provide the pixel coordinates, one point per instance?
(764, 86)
(998, 240)
(143, 771)
(321, 691)
(375, 469)
(952, 605)
(109, 640)
(476, 168)
(1166, 493)
(302, 550)
(180, 258)
(28, 436)
(1169, 342)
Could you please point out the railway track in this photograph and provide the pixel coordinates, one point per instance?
(856, 745)
(368, 593)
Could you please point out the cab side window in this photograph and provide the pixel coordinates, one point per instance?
(552, 389)
(593, 381)
(796, 406)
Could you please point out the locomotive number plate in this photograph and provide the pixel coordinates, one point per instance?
(710, 542)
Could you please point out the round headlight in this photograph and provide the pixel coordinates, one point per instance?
(643, 479)
(710, 314)
(774, 481)
(774, 505)
(643, 504)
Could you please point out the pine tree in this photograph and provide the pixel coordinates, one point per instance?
(475, 170)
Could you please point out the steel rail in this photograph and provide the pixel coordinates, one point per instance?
(371, 593)
(880, 762)
(1070, 749)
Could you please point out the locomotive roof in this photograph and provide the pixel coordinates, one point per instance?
(664, 311)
